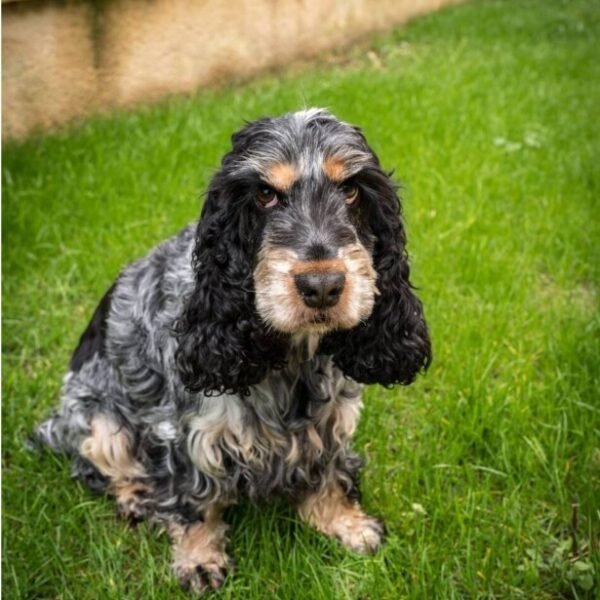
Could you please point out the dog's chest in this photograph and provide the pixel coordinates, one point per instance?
(282, 437)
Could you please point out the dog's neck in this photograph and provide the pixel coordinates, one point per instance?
(303, 347)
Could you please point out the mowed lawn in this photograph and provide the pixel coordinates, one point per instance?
(487, 470)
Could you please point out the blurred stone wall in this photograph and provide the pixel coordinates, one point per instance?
(63, 60)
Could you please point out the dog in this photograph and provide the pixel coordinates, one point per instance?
(228, 363)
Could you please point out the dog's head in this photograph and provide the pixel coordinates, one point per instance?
(300, 234)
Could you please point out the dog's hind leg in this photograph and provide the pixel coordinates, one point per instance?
(90, 427)
(109, 448)
(199, 558)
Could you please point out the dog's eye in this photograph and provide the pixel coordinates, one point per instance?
(267, 197)
(350, 192)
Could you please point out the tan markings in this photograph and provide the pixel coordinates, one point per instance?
(109, 449)
(206, 432)
(331, 512)
(314, 440)
(294, 299)
(293, 456)
(220, 426)
(335, 169)
(339, 417)
(130, 497)
(282, 176)
(344, 419)
(281, 306)
(199, 558)
(318, 266)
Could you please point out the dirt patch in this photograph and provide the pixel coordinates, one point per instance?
(582, 297)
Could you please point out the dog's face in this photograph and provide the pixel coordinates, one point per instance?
(301, 233)
(304, 175)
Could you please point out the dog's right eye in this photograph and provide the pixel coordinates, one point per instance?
(350, 192)
(267, 197)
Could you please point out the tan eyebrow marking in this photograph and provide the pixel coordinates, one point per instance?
(282, 176)
(335, 169)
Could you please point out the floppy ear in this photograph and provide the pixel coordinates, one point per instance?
(223, 345)
(393, 345)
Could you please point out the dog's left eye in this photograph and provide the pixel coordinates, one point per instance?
(267, 197)
(350, 192)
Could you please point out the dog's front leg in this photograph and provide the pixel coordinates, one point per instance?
(199, 559)
(331, 511)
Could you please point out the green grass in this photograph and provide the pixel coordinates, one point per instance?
(489, 114)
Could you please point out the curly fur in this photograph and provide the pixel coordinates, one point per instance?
(393, 345)
(205, 375)
(224, 345)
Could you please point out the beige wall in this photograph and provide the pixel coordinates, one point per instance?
(61, 61)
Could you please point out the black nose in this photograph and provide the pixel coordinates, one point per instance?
(320, 290)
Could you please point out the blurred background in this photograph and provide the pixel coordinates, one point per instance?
(62, 60)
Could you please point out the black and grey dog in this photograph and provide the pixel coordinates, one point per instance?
(227, 363)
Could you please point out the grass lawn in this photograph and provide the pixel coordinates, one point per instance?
(489, 114)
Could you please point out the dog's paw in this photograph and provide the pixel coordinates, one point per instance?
(200, 562)
(360, 533)
(201, 578)
(130, 502)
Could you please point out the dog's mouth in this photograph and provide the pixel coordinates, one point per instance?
(321, 317)
(321, 320)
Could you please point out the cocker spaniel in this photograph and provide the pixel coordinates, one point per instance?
(228, 362)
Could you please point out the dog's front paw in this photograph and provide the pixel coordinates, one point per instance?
(200, 562)
(333, 513)
(359, 532)
(201, 578)
(131, 502)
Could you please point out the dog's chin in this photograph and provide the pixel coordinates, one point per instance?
(320, 323)
(313, 322)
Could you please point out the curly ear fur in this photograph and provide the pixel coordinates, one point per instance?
(393, 345)
(223, 345)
